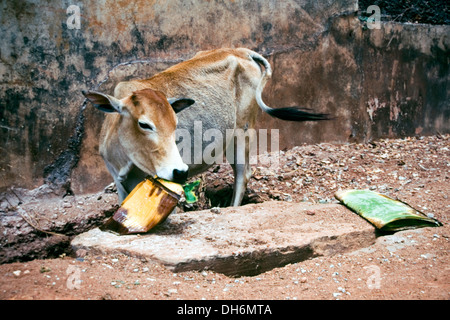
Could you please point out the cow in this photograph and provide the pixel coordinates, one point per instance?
(221, 89)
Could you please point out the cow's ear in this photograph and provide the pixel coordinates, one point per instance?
(180, 103)
(104, 102)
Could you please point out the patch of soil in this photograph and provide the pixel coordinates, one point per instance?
(406, 265)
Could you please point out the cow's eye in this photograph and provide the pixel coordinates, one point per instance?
(145, 126)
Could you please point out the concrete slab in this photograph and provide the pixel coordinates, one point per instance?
(246, 240)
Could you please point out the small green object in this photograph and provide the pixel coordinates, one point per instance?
(383, 212)
(189, 191)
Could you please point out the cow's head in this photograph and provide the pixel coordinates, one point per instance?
(146, 130)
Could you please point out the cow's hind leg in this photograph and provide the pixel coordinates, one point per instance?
(240, 162)
(242, 174)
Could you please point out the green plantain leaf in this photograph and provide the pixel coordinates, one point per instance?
(383, 212)
(189, 191)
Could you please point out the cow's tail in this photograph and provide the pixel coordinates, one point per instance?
(288, 113)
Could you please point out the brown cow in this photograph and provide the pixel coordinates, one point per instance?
(226, 85)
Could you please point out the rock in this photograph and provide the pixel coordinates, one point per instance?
(81, 253)
(215, 210)
(19, 239)
(171, 291)
(67, 205)
(245, 240)
(45, 269)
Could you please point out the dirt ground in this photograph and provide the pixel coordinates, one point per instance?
(412, 264)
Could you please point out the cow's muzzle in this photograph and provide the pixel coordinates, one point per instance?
(180, 176)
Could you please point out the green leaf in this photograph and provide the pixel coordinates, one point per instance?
(189, 191)
(383, 212)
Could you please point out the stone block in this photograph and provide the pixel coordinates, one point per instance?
(246, 240)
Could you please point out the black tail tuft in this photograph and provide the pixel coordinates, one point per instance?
(297, 114)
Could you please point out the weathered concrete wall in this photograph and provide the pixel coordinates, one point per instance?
(388, 82)
(391, 82)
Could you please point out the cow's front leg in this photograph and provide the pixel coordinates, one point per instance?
(121, 179)
(122, 192)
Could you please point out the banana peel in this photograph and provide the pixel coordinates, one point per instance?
(149, 204)
(383, 212)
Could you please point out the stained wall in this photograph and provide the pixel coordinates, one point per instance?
(387, 82)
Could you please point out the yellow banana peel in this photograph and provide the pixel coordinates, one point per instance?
(149, 204)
